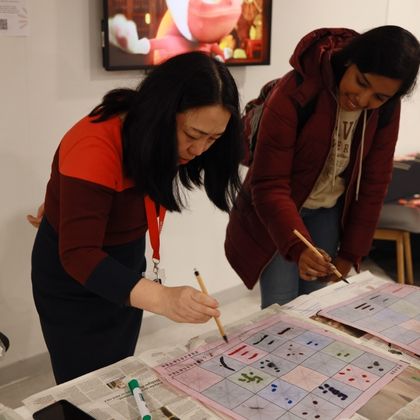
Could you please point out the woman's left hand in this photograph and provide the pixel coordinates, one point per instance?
(35, 221)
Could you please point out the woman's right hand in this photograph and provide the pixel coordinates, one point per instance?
(312, 266)
(186, 304)
(180, 304)
(35, 221)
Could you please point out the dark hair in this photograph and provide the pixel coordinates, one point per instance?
(184, 82)
(389, 51)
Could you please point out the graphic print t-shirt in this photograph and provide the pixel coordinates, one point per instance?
(330, 185)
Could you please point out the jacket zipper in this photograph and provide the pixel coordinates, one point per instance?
(353, 172)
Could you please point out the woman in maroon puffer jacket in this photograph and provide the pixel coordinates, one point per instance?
(328, 178)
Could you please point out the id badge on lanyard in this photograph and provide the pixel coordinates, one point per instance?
(155, 224)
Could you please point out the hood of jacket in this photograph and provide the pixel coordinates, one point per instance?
(312, 59)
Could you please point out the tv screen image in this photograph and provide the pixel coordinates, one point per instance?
(139, 34)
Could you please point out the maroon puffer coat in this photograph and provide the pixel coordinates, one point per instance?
(286, 166)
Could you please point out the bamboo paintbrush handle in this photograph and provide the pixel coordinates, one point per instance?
(314, 249)
(204, 290)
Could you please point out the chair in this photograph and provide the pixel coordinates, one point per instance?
(403, 251)
(396, 222)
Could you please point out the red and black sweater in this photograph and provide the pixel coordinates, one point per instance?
(91, 204)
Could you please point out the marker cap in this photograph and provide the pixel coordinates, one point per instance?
(133, 384)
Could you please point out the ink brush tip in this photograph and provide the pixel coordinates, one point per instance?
(342, 278)
(225, 338)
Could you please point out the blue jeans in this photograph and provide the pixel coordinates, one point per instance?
(280, 282)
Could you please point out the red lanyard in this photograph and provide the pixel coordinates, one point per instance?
(155, 227)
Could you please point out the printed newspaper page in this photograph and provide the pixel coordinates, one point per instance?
(105, 395)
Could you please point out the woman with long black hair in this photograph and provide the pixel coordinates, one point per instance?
(114, 175)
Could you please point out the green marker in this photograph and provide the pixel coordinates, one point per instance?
(138, 396)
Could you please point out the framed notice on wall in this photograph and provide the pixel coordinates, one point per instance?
(14, 19)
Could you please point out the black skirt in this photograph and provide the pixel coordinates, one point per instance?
(82, 330)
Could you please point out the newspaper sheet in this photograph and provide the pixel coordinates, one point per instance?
(105, 395)
(7, 413)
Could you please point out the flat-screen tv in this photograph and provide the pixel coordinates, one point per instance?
(139, 34)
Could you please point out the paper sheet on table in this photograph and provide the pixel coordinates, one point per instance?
(395, 351)
(409, 412)
(302, 307)
(105, 395)
(280, 358)
(391, 312)
(7, 413)
(308, 305)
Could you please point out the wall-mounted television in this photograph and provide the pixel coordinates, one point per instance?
(139, 34)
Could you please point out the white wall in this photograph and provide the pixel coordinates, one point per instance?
(53, 77)
(407, 14)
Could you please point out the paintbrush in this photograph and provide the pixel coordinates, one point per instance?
(310, 246)
(204, 290)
